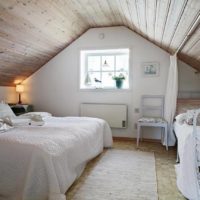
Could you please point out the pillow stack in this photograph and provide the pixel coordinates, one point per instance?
(42, 114)
(5, 111)
(8, 118)
(16, 121)
(190, 117)
(181, 118)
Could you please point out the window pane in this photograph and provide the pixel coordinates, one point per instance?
(94, 63)
(122, 63)
(99, 66)
(107, 80)
(107, 63)
(95, 79)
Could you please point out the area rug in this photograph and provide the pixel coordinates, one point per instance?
(121, 175)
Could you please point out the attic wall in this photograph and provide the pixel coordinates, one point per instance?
(189, 81)
(8, 94)
(55, 87)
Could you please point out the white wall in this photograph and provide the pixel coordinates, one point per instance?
(55, 87)
(189, 81)
(8, 94)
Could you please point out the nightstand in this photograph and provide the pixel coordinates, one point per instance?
(19, 109)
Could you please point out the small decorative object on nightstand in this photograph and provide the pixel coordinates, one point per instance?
(19, 109)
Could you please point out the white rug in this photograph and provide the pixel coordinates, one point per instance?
(121, 175)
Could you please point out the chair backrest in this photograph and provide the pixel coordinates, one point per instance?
(152, 105)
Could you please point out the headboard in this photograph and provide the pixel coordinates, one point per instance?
(187, 104)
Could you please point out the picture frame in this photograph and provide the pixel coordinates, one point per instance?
(150, 69)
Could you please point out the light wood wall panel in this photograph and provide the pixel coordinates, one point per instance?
(141, 10)
(34, 31)
(162, 12)
(190, 14)
(174, 15)
(192, 43)
(151, 7)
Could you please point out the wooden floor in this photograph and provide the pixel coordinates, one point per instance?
(165, 171)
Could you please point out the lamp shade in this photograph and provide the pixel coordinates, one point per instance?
(19, 88)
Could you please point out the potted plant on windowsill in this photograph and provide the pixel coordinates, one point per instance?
(119, 80)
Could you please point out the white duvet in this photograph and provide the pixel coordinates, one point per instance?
(40, 163)
(186, 171)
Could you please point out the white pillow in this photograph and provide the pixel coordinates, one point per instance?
(6, 111)
(181, 118)
(3, 126)
(190, 117)
(32, 114)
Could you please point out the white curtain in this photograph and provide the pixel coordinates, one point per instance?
(171, 98)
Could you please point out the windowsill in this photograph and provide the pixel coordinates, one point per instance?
(104, 89)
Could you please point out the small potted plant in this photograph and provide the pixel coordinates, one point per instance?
(119, 80)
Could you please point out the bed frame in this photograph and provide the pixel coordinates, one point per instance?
(189, 103)
(193, 102)
(197, 150)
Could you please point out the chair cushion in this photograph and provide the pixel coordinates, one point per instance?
(151, 120)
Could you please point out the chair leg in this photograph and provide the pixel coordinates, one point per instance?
(166, 138)
(138, 134)
(162, 138)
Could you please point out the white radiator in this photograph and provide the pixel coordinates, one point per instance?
(114, 114)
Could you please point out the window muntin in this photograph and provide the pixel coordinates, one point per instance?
(99, 66)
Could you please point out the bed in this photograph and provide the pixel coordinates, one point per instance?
(188, 148)
(41, 162)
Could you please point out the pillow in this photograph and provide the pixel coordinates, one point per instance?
(3, 126)
(6, 111)
(181, 118)
(32, 114)
(190, 116)
(34, 120)
(16, 121)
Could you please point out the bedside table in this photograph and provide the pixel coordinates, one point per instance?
(19, 109)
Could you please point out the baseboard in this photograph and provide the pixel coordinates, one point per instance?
(134, 139)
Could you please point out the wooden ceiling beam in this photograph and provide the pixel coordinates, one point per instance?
(191, 31)
(190, 61)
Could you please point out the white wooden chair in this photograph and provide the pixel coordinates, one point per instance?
(152, 116)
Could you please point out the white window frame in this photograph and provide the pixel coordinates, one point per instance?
(105, 54)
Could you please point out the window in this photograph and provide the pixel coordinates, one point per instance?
(99, 67)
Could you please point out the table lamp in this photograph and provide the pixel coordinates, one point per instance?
(19, 89)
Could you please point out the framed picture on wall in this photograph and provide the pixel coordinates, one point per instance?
(150, 69)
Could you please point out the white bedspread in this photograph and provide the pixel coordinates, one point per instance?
(186, 170)
(40, 163)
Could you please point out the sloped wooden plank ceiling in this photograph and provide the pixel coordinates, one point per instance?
(33, 31)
